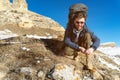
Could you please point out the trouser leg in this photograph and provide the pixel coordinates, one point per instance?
(71, 52)
(75, 54)
(89, 60)
(86, 43)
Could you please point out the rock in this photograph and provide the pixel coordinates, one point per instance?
(25, 23)
(96, 75)
(108, 44)
(41, 75)
(3, 70)
(66, 72)
(20, 5)
(4, 5)
(27, 70)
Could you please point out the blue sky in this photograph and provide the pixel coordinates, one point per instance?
(103, 15)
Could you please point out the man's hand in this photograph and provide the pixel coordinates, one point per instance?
(86, 51)
(89, 51)
(82, 49)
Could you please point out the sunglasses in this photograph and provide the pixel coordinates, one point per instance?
(79, 22)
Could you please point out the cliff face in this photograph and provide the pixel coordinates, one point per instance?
(30, 48)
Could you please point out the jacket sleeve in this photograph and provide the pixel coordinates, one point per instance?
(68, 41)
(95, 41)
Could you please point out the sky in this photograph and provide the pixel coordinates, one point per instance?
(103, 15)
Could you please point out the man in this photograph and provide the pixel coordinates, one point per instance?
(78, 38)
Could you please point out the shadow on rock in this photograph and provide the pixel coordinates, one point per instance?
(56, 46)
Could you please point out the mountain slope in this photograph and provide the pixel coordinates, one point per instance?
(31, 47)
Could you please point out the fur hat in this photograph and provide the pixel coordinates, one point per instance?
(80, 7)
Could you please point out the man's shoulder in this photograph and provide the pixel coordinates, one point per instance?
(86, 28)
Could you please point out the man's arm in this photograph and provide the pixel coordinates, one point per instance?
(68, 41)
(96, 41)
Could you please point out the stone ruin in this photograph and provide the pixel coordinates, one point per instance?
(19, 5)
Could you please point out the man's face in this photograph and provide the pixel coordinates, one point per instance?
(79, 23)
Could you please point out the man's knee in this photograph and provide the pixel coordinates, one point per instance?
(88, 40)
(68, 51)
(88, 36)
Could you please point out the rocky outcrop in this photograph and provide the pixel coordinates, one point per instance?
(61, 70)
(108, 44)
(29, 20)
(5, 5)
(19, 5)
(18, 15)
